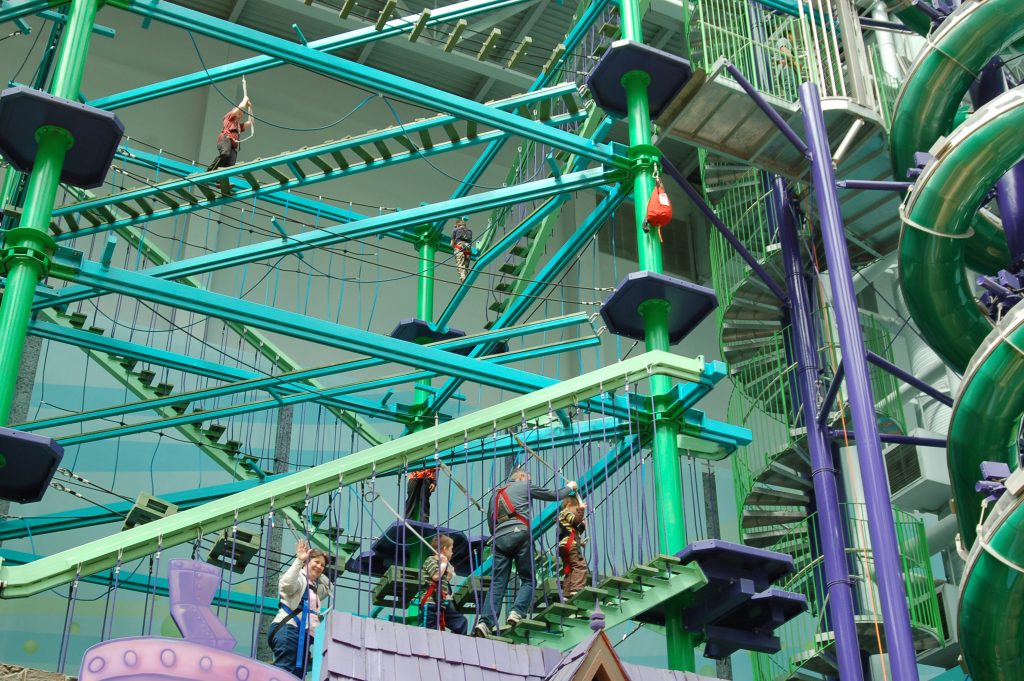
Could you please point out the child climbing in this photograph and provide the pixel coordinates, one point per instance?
(302, 590)
(420, 486)
(571, 526)
(512, 544)
(231, 127)
(462, 244)
(434, 599)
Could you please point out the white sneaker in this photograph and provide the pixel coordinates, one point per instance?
(481, 630)
(514, 618)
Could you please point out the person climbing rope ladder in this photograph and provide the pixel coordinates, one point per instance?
(509, 520)
(462, 244)
(231, 127)
(434, 599)
(571, 526)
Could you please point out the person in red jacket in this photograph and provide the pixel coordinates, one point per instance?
(231, 128)
(420, 486)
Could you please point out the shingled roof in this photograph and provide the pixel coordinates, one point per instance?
(363, 649)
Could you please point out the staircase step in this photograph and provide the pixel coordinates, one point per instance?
(504, 287)
(77, 319)
(765, 538)
(232, 446)
(146, 376)
(762, 495)
(521, 251)
(780, 475)
(163, 389)
(511, 268)
(499, 305)
(754, 518)
(214, 432)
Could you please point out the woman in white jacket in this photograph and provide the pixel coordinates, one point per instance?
(302, 590)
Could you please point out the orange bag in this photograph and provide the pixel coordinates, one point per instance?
(659, 208)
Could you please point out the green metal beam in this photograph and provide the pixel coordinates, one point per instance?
(371, 226)
(364, 76)
(92, 557)
(126, 203)
(333, 44)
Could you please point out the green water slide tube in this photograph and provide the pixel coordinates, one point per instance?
(934, 89)
(990, 405)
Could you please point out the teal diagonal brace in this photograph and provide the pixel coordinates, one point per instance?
(374, 79)
(273, 164)
(92, 557)
(569, 250)
(16, 528)
(572, 40)
(224, 412)
(333, 44)
(500, 248)
(244, 380)
(328, 236)
(17, 9)
(236, 600)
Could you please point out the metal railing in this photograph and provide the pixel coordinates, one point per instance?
(809, 636)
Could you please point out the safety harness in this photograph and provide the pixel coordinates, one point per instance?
(501, 497)
(301, 614)
(566, 551)
(427, 596)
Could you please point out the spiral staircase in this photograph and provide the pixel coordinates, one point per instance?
(772, 476)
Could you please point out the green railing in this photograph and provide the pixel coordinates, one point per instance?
(763, 398)
(739, 197)
(776, 52)
(809, 635)
(887, 87)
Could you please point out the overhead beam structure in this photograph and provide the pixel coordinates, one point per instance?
(61, 568)
(374, 79)
(328, 236)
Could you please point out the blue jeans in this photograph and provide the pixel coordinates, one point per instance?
(285, 644)
(454, 620)
(511, 547)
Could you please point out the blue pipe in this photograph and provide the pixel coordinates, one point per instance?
(823, 471)
(862, 403)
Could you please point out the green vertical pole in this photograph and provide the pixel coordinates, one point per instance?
(27, 249)
(424, 310)
(667, 469)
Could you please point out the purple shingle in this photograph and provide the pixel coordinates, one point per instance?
(435, 644)
(504, 660)
(453, 648)
(418, 642)
(427, 671)
(472, 673)
(470, 648)
(386, 636)
(486, 650)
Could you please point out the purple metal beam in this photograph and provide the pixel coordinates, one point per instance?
(830, 396)
(723, 229)
(862, 402)
(823, 470)
(894, 439)
(1010, 187)
(761, 102)
(910, 379)
(877, 185)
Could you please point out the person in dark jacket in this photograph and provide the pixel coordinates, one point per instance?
(462, 245)
(512, 543)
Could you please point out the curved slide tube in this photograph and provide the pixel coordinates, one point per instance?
(988, 411)
(936, 85)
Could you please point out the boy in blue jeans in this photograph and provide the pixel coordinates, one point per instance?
(436, 608)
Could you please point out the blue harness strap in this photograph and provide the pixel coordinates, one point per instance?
(303, 623)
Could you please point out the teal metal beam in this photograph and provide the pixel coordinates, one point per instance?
(17, 528)
(372, 226)
(246, 192)
(533, 293)
(496, 251)
(374, 79)
(333, 44)
(25, 580)
(236, 600)
(230, 411)
(17, 9)
(279, 385)
(572, 40)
